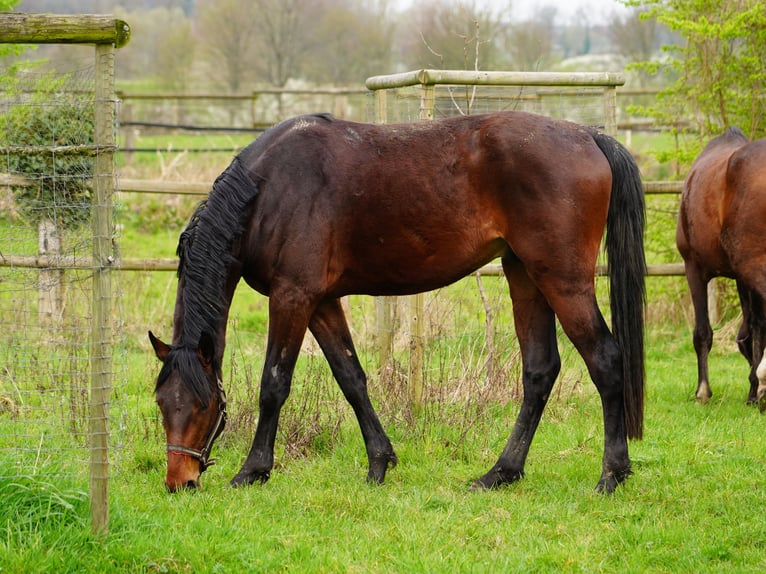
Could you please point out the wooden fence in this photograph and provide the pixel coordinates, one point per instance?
(106, 34)
(201, 189)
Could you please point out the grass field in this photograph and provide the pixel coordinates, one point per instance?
(695, 503)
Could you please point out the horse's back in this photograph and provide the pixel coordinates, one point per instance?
(744, 227)
(391, 209)
(705, 201)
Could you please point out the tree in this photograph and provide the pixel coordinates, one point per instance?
(163, 47)
(228, 31)
(8, 49)
(353, 41)
(453, 35)
(530, 43)
(716, 75)
(637, 38)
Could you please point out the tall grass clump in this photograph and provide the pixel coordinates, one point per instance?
(39, 506)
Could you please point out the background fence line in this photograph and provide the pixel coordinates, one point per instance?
(201, 189)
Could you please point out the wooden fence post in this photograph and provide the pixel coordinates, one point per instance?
(417, 301)
(103, 257)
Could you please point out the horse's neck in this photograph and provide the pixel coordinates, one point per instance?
(218, 330)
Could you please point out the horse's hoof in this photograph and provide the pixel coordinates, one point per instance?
(378, 467)
(248, 478)
(495, 478)
(703, 393)
(609, 481)
(762, 401)
(607, 485)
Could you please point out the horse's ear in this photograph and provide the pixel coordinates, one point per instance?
(206, 349)
(160, 349)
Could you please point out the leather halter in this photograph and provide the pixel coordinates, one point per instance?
(203, 454)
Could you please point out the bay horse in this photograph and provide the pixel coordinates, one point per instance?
(317, 208)
(720, 233)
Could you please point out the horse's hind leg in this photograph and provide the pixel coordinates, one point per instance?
(330, 329)
(574, 302)
(702, 336)
(758, 330)
(745, 339)
(536, 330)
(287, 327)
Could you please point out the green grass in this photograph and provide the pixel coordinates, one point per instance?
(694, 503)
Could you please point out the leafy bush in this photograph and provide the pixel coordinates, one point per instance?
(47, 135)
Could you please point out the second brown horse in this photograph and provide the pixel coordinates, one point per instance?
(722, 233)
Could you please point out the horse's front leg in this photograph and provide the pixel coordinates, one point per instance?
(287, 327)
(746, 340)
(331, 332)
(758, 331)
(703, 333)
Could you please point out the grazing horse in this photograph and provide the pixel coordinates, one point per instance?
(317, 208)
(720, 233)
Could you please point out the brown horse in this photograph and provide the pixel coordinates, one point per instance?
(317, 208)
(721, 227)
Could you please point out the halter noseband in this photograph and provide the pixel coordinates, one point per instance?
(202, 455)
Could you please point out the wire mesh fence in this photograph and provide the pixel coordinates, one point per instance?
(47, 125)
(581, 104)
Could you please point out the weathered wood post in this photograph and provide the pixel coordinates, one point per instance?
(384, 306)
(50, 290)
(417, 302)
(106, 33)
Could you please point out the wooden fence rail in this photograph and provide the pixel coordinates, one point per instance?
(201, 189)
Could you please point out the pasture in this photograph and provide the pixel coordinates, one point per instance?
(695, 502)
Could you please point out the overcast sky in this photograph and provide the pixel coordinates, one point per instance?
(598, 10)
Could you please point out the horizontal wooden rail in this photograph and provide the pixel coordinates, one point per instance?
(79, 262)
(479, 78)
(165, 187)
(202, 189)
(171, 264)
(20, 28)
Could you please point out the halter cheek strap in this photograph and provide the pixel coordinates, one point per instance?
(203, 454)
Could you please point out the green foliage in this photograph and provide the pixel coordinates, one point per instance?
(715, 78)
(35, 502)
(9, 49)
(41, 131)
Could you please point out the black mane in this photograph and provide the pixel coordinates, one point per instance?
(204, 251)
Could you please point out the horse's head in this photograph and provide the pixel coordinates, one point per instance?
(190, 395)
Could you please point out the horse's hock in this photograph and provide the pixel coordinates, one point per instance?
(57, 309)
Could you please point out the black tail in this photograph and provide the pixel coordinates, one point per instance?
(627, 272)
